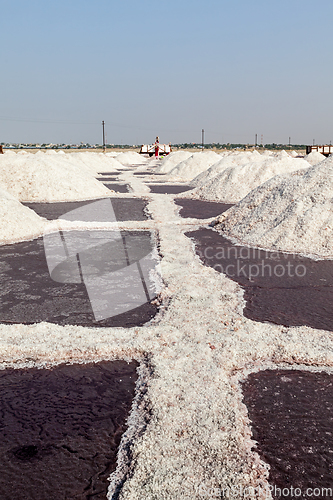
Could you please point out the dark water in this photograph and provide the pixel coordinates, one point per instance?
(118, 188)
(147, 173)
(106, 179)
(108, 173)
(29, 295)
(199, 209)
(124, 208)
(279, 288)
(292, 422)
(60, 429)
(168, 189)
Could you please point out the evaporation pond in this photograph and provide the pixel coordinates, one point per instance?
(118, 188)
(98, 278)
(60, 429)
(199, 209)
(124, 208)
(280, 288)
(168, 188)
(291, 420)
(106, 179)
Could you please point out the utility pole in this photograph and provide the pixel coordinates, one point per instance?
(289, 143)
(262, 139)
(256, 141)
(103, 125)
(202, 139)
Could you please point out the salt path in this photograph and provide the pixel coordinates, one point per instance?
(189, 433)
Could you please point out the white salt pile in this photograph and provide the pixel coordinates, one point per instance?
(130, 158)
(237, 181)
(95, 162)
(112, 154)
(292, 213)
(193, 166)
(226, 161)
(41, 177)
(314, 157)
(17, 222)
(172, 160)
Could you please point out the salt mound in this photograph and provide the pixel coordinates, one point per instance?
(40, 177)
(17, 222)
(291, 213)
(112, 154)
(172, 160)
(193, 166)
(226, 161)
(95, 162)
(314, 157)
(281, 154)
(235, 182)
(130, 158)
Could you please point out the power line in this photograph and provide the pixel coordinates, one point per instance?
(28, 120)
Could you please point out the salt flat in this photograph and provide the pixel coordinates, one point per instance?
(189, 432)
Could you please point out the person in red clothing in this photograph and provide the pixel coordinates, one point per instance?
(157, 142)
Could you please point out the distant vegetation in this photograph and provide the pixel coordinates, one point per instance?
(186, 145)
(217, 145)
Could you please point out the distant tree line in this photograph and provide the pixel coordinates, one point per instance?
(217, 145)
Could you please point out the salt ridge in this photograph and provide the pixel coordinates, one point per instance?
(225, 162)
(17, 222)
(173, 159)
(42, 177)
(193, 166)
(291, 213)
(130, 158)
(235, 182)
(314, 157)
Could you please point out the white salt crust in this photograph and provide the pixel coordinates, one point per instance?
(173, 159)
(96, 162)
(229, 160)
(198, 435)
(193, 166)
(314, 158)
(235, 182)
(17, 222)
(292, 212)
(130, 158)
(49, 177)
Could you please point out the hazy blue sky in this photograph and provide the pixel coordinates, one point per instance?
(167, 68)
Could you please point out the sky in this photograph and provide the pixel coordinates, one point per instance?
(234, 68)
